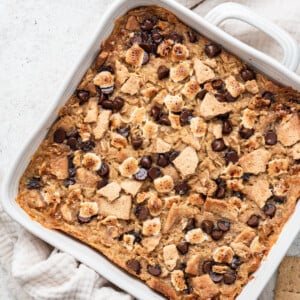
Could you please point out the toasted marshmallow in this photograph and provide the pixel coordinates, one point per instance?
(155, 205)
(191, 89)
(91, 161)
(178, 280)
(164, 184)
(180, 71)
(198, 127)
(164, 47)
(223, 254)
(249, 117)
(129, 167)
(150, 130)
(88, 209)
(128, 240)
(174, 103)
(135, 55)
(196, 236)
(179, 52)
(151, 227)
(104, 79)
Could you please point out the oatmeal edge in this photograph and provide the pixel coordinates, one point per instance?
(173, 158)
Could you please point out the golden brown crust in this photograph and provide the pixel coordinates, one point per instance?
(223, 176)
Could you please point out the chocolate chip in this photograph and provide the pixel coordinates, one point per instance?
(69, 181)
(183, 247)
(268, 96)
(200, 95)
(247, 74)
(87, 146)
(137, 236)
(156, 37)
(147, 25)
(72, 143)
(220, 192)
(246, 176)
(83, 220)
(218, 84)
(146, 58)
(193, 38)
(154, 270)
(175, 37)
(229, 278)
(101, 97)
(72, 172)
(181, 188)
(270, 138)
(231, 156)
(154, 173)
(102, 183)
(164, 120)
(212, 50)
(118, 103)
(141, 175)
(163, 72)
(218, 145)
(107, 104)
(269, 209)
(173, 155)
(216, 277)
(223, 225)
(136, 39)
(279, 199)
(229, 97)
(107, 68)
(185, 117)
(123, 131)
(245, 133)
(207, 226)
(146, 162)
(59, 135)
(220, 97)
(155, 112)
(104, 170)
(34, 183)
(136, 142)
(108, 90)
(253, 221)
(141, 212)
(162, 160)
(191, 224)
(235, 263)
(216, 234)
(223, 117)
(147, 46)
(238, 195)
(226, 127)
(83, 95)
(207, 266)
(134, 265)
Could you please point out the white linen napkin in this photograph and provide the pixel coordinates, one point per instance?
(31, 269)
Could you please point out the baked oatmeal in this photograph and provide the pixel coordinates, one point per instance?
(173, 158)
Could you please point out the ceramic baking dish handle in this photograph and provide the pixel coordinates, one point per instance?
(229, 10)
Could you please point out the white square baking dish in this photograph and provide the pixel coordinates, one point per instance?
(258, 60)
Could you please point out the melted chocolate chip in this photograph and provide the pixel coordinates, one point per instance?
(156, 37)
(268, 96)
(141, 212)
(123, 131)
(220, 192)
(107, 104)
(147, 46)
(146, 58)
(147, 25)
(59, 135)
(87, 146)
(218, 84)
(218, 145)
(229, 97)
(83, 220)
(207, 266)
(191, 224)
(231, 156)
(201, 94)
(270, 138)
(223, 225)
(245, 133)
(146, 162)
(162, 160)
(226, 127)
(141, 175)
(136, 142)
(216, 277)
(34, 183)
(134, 265)
(107, 68)
(235, 263)
(269, 209)
(220, 97)
(279, 199)
(155, 112)
(207, 226)
(246, 176)
(183, 247)
(154, 172)
(154, 270)
(83, 95)
(118, 103)
(173, 155)
(102, 183)
(163, 72)
(247, 74)
(104, 170)
(137, 236)
(175, 37)
(216, 234)
(212, 50)
(72, 143)
(164, 120)
(185, 117)
(69, 181)
(238, 195)
(193, 38)
(253, 221)
(229, 278)
(181, 188)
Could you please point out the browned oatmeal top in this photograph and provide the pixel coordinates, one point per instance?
(172, 158)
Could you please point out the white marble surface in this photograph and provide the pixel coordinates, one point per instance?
(39, 41)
